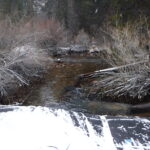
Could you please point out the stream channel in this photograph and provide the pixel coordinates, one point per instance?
(59, 89)
(48, 120)
(60, 80)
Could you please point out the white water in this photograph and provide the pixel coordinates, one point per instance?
(29, 128)
(39, 128)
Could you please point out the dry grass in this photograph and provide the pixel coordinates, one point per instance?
(45, 32)
(82, 38)
(19, 66)
(128, 45)
(7, 34)
(41, 31)
(20, 58)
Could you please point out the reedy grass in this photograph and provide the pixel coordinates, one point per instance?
(129, 45)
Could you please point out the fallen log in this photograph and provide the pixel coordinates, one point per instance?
(111, 70)
(131, 81)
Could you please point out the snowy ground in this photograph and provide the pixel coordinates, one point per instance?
(38, 128)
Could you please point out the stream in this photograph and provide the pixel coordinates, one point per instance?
(59, 89)
(52, 110)
(60, 80)
(47, 118)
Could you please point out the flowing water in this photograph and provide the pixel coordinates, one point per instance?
(55, 124)
(48, 120)
(40, 128)
(61, 79)
(59, 89)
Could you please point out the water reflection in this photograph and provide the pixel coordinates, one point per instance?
(61, 77)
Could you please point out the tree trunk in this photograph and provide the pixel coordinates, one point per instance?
(72, 17)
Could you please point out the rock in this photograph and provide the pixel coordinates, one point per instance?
(61, 51)
(78, 49)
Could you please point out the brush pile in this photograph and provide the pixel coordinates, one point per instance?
(19, 67)
(129, 74)
(122, 81)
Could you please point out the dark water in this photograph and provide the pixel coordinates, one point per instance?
(58, 89)
(60, 79)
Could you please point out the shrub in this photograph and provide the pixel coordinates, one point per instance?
(7, 34)
(49, 33)
(82, 38)
(128, 46)
(44, 32)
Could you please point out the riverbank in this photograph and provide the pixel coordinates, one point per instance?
(114, 67)
(19, 68)
(43, 80)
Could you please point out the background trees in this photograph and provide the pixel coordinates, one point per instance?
(79, 14)
(16, 8)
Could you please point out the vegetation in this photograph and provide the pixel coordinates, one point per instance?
(128, 56)
(113, 25)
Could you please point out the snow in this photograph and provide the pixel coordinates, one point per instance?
(30, 128)
(96, 10)
(41, 128)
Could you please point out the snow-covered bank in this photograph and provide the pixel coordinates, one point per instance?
(39, 128)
